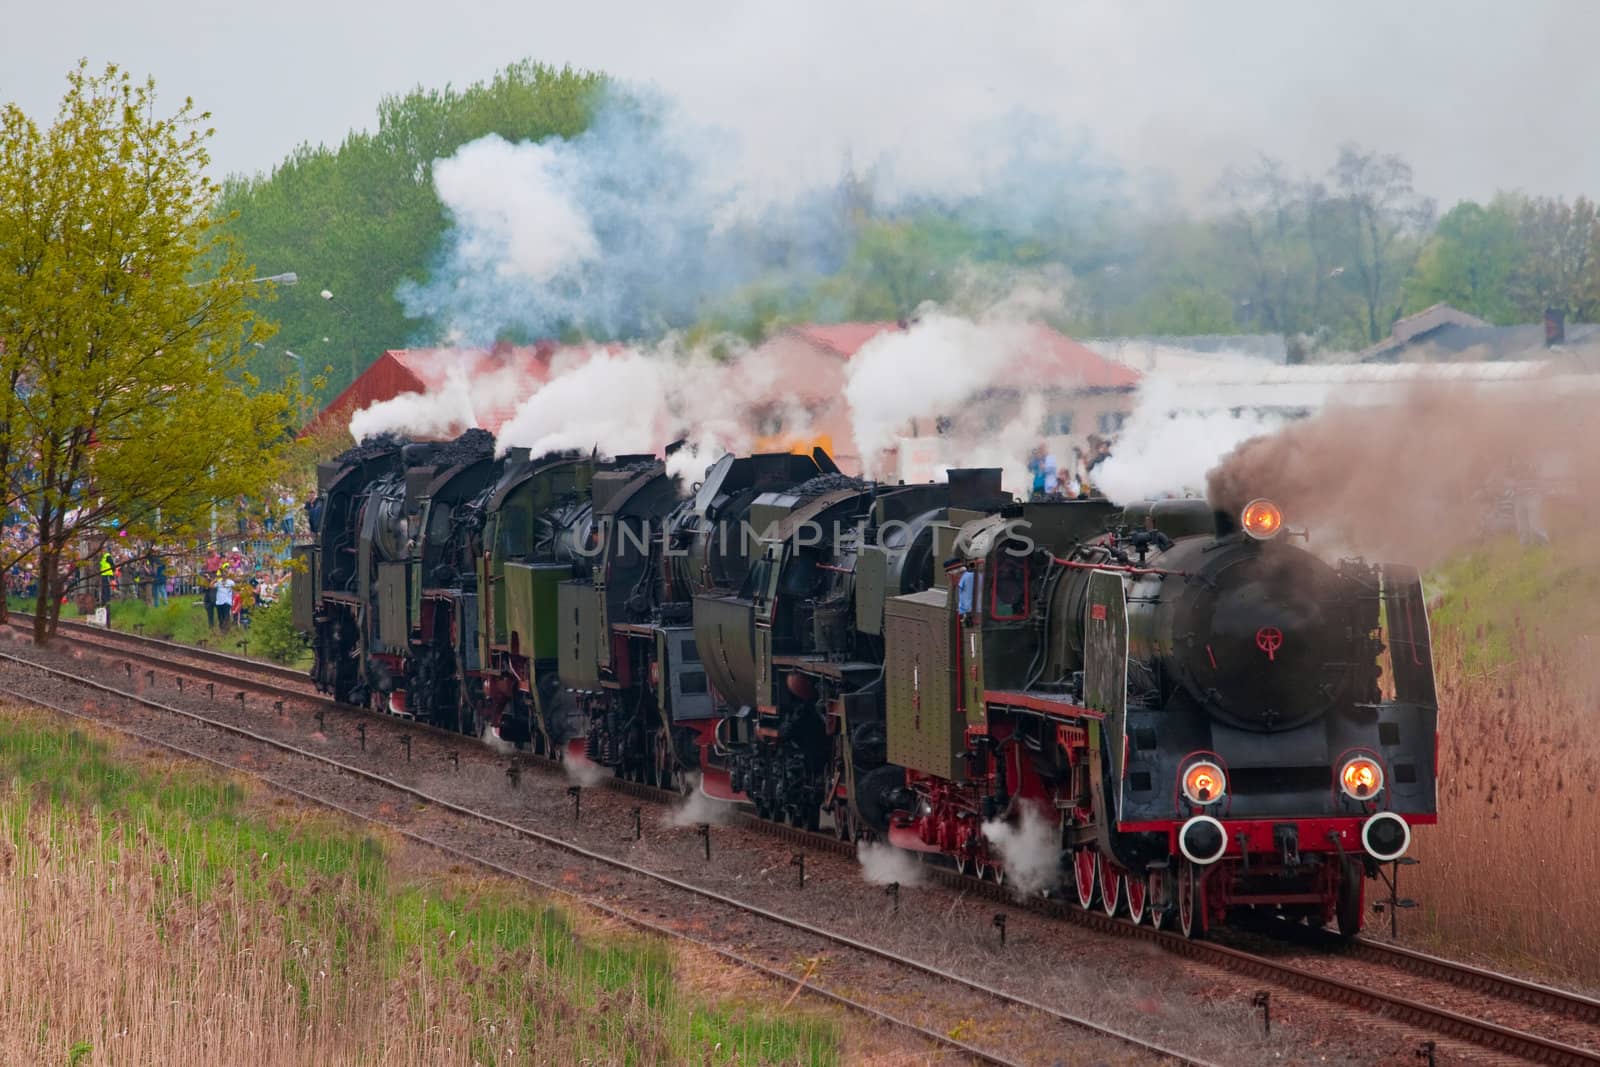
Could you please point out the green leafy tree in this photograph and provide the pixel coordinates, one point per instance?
(126, 403)
(273, 631)
(357, 220)
(1470, 260)
(894, 266)
(1560, 267)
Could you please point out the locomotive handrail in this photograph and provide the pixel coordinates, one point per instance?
(1118, 568)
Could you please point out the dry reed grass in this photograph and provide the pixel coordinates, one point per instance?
(1512, 871)
(154, 921)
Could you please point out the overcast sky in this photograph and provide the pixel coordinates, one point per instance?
(1477, 95)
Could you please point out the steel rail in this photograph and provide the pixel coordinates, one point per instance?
(780, 977)
(573, 848)
(72, 628)
(1479, 979)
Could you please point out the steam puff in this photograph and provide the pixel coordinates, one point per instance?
(885, 864)
(924, 371)
(627, 230)
(583, 771)
(1031, 850)
(441, 413)
(612, 402)
(1166, 450)
(639, 400)
(514, 208)
(698, 808)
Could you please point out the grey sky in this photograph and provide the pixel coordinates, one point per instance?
(1477, 95)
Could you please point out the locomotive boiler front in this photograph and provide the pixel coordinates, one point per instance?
(1263, 636)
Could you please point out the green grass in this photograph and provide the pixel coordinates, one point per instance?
(183, 619)
(1503, 593)
(26, 604)
(496, 951)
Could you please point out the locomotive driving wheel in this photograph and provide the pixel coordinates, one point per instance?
(1134, 891)
(1085, 873)
(1158, 898)
(664, 772)
(843, 819)
(1111, 881)
(1191, 901)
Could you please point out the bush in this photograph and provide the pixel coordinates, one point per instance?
(272, 631)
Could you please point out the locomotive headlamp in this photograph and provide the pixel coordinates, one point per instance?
(1204, 783)
(1261, 519)
(1361, 778)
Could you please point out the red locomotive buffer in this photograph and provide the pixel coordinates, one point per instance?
(1191, 709)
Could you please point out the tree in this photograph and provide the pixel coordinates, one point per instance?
(1561, 265)
(1282, 245)
(359, 219)
(1264, 233)
(1469, 261)
(1383, 221)
(127, 410)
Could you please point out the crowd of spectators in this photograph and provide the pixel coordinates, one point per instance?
(1072, 480)
(243, 565)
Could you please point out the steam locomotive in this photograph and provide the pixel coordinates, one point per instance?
(1197, 715)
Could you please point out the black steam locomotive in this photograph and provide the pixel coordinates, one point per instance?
(1197, 715)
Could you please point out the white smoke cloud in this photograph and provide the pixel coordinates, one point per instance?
(455, 406)
(650, 219)
(927, 370)
(1031, 849)
(885, 864)
(1172, 441)
(627, 230)
(612, 401)
(515, 210)
(581, 770)
(698, 808)
(639, 400)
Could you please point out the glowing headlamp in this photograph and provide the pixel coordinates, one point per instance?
(1361, 778)
(1261, 519)
(1204, 783)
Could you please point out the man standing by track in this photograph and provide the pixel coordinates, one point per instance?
(208, 593)
(224, 595)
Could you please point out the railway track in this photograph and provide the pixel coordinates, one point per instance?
(1042, 1017)
(1301, 974)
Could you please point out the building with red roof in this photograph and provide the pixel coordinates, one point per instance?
(506, 375)
(1083, 392)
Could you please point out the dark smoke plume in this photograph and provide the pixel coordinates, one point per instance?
(1417, 481)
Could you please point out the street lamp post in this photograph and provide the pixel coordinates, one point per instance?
(327, 294)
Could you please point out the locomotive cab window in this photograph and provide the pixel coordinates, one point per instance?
(516, 529)
(439, 523)
(1008, 592)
